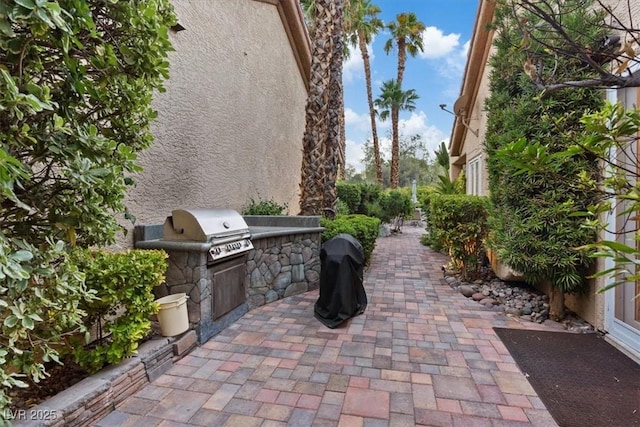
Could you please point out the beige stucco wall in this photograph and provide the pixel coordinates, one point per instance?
(621, 8)
(231, 122)
(473, 146)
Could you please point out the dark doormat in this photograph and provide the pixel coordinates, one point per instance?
(581, 379)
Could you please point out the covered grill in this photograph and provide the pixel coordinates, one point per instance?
(224, 229)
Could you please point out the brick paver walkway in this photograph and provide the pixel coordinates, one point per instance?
(421, 354)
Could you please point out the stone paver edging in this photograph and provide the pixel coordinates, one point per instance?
(96, 396)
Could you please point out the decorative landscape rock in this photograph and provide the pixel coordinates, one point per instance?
(465, 290)
(514, 299)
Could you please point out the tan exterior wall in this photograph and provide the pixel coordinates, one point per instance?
(469, 128)
(231, 122)
(589, 306)
(473, 145)
(620, 9)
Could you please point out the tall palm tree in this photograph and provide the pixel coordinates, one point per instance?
(312, 182)
(364, 24)
(391, 101)
(406, 35)
(334, 146)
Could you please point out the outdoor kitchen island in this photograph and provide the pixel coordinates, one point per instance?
(228, 264)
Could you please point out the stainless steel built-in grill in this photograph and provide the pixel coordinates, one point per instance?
(216, 242)
(224, 229)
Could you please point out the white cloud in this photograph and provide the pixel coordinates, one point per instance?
(451, 68)
(465, 49)
(354, 154)
(437, 44)
(417, 124)
(361, 122)
(353, 67)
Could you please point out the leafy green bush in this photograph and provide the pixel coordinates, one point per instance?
(390, 205)
(365, 229)
(123, 283)
(342, 208)
(264, 207)
(370, 193)
(396, 203)
(535, 220)
(422, 194)
(76, 85)
(460, 224)
(349, 194)
(40, 296)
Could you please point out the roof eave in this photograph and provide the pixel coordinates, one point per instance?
(478, 53)
(292, 18)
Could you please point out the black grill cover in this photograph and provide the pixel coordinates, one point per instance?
(342, 294)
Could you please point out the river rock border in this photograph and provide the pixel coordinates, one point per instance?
(282, 266)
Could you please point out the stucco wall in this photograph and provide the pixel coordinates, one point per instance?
(621, 10)
(473, 145)
(231, 122)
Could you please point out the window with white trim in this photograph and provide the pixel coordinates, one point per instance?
(474, 176)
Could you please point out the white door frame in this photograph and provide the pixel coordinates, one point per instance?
(621, 334)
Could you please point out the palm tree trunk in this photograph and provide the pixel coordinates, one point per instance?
(342, 153)
(395, 149)
(313, 153)
(395, 113)
(402, 58)
(372, 111)
(332, 144)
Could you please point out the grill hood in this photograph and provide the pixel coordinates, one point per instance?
(205, 225)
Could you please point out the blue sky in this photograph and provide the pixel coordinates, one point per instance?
(436, 74)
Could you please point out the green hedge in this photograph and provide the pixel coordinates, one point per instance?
(350, 194)
(459, 224)
(362, 227)
(123, 283)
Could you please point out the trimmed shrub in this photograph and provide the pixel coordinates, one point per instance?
(350, 194)
(76, 84)
(40, 293)
(342, 208)
(397, 203)
(459, 223)
(264, 207)
(362, 227)
(422, 194)
(536, 220)
(370, 193)
(123, 283)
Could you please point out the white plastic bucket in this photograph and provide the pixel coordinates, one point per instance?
(173, 315)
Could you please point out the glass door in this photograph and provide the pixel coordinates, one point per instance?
(622, 309)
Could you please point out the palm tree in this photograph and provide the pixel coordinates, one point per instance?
(406, 35)
(392, 99)
(364, 24)
(312, 182)
(334, 145)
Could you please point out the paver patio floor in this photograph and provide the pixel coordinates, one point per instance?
(421, 354)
